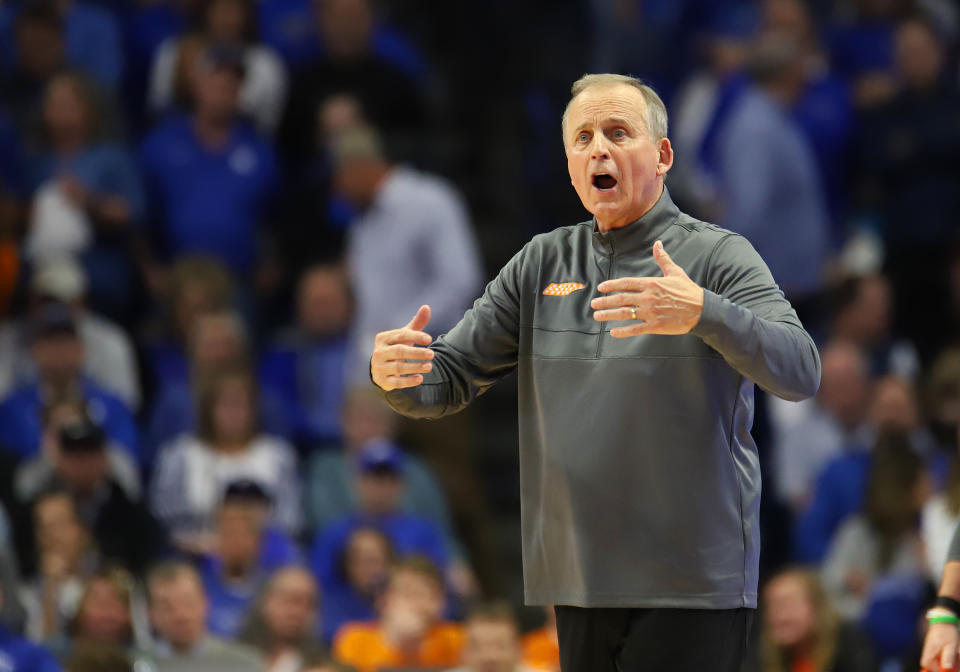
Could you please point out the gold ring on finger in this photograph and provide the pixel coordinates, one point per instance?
(633, 313)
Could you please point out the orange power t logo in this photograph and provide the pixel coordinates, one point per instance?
(562, 288)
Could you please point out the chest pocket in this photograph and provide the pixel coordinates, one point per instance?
(562, 324)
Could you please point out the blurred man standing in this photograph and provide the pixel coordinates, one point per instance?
(640, 482)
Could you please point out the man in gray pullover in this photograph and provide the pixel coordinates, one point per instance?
(640, 484)
(940, 644)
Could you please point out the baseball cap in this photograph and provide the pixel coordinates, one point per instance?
(50, 320)
(82, 435)
(380, 457)
(245, 490)
(224, 55)
(59, 278)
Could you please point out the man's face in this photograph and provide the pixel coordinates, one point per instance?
(368, 561)
(322, 306)
(40, 49)
(492, 646)
(82, 471)
(178, 610)
(346, 26)
(788, 611)
(379, 492)
(58, 530)
(239, 529)
(415, 597)
(58, 357)
(216, 91)
(918, 55)
(215, 341)
(290, 605)
(616, 169)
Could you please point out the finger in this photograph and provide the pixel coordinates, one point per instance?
(617, 314)
(626, 284)
(421, 319)
(406, 336)
(399, 367)
(635, 329)
(664, 261)
(401, 382)
(393, 352)
(616, 300)
(948, 657)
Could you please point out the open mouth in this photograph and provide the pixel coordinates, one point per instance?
(604, 182)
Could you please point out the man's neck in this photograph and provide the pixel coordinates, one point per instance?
(213, 132)
(620, 221)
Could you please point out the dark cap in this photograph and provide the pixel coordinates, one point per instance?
(52, 319)
(82, 435)
(380, 457)
(245, 491)
(224, 56)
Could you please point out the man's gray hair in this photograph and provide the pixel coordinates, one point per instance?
(655, 113)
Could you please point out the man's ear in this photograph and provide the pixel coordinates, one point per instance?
(665, 150)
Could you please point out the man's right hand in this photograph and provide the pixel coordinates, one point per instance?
(396, 362)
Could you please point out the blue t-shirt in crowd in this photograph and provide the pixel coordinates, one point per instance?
(104, 169)
(209, 201)
(20, 418)
(19, 655)
(839, 493)
(859, 48)
(308, 377)
(94, 43)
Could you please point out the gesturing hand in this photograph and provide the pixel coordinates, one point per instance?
(668, 305)
(396, 363)
(940, 648)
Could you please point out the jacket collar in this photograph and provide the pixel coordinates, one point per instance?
(640, 235)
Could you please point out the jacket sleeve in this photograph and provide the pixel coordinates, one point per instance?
(476, 353)
(747, 320)
(953, 554)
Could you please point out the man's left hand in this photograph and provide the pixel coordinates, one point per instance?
(668, 305)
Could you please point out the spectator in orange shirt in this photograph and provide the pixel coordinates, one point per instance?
(540, 648)
(409, 633)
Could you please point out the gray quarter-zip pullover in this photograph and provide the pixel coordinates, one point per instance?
(640, 484)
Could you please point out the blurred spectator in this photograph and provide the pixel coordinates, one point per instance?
(40, 53)
(210, 175)
(358, 580)
(832, 424)
(942, 399)
(87, 195)
(824, 109)
(379, 483)
(305, 364)
(98, 658)
(861, 314)
(104, 616)
(541, 650)
(193, 472)
(283, 624)
(264, 88)
(492, 640)
(884, 538)
(65, 558)
(246, 550)
(178, 612)
(909, 157)
(195, 286)
(770, 187)
(108, 352)
(58, 356)
(353, 63)
(801, 631)
(219, 340)
(409, 632)
(941, 515)
(19, 654)
(331, 490)
(81, 465)
(11, 610)
(411, 244)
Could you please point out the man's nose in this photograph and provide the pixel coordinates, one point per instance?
(599, 151)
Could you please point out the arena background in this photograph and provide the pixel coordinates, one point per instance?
(196, 245)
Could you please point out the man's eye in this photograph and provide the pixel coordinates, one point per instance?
(583, 137)
(619, 134)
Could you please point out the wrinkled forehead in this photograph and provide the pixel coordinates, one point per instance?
(601, 103)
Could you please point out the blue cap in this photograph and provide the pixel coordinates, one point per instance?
(380, 456)
(52, 319)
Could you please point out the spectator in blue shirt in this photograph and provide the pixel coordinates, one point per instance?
(247, 550)
(58, 356)
(19, 655)
(87, 192)
(380, 483)
(210, 176)
(306, 363)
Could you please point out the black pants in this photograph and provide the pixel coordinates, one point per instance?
(652, 640)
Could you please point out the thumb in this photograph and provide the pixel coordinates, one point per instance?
(420, 320)
(948, 657)
(664, 261)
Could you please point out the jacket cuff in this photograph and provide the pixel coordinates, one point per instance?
(711, 316)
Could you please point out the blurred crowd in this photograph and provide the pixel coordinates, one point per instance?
(209, 207)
